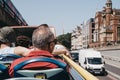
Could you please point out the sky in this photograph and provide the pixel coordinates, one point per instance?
(64, 15)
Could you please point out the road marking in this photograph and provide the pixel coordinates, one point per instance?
(114, 74)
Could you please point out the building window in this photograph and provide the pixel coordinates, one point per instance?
(118, 34)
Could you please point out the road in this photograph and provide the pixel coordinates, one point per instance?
(112, 65)
(113, 73)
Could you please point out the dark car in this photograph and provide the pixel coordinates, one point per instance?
(74, 55)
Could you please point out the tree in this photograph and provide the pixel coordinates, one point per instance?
(65, 40)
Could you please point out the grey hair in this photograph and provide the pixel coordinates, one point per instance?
(41, 37)
(7, 35)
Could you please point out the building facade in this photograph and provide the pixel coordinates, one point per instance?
(76, 38)
(107, 26)
(102, 30)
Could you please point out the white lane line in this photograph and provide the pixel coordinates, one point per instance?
(114, 74)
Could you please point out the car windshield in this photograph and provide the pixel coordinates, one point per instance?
(94, 61)
(75, 55)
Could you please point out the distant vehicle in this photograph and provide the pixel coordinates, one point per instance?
(28, 30)
(74, 55)
(91, 60)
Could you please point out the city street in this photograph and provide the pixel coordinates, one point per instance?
(112, 65)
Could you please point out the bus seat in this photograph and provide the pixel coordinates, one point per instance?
(37, 73)
(3, 71)
(6, 59)
(50, 74)
(25, 78)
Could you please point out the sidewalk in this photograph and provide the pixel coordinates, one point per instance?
(117, 47)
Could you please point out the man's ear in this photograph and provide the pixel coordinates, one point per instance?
(51, 45)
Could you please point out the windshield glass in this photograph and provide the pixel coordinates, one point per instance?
(94, 61)
(74, 56)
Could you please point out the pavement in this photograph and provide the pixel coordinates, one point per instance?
(116, 47)
(111, 56)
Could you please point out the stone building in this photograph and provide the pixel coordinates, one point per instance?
(102, 30)
(107, 26)
(76, 38)
(90, 27)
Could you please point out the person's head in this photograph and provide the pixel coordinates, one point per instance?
(43, 39)
(43, 26)
(7, 35)
(23, 41)
(46, 26)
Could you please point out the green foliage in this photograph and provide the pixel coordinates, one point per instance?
(65, 40)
